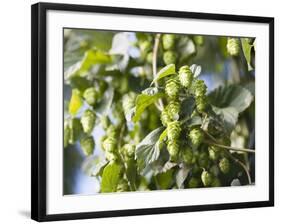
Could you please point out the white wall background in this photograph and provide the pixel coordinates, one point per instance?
(15, 110)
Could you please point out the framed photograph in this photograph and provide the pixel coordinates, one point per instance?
(139, 111)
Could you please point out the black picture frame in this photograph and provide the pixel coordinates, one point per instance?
(39, 122)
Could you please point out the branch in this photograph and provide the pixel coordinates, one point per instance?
(230, 147)
(154, 66)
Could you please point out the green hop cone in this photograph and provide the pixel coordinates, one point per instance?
(199, 88)
(88, 120)
(172, 87)
(173, 149)
(66, 134)
(91, 96)
(193, 182)
(187, 156)
(224, 165)
(122, 186)
(203, 159)
(201, 103)
(110, 144)
(173, 109)
(87, 145)
(168, 41)
(128, 102)
(199, 40)
(110, 156)
(149, 57)
(145, 46)
(75, 128)
(207, 178)
(105, 122)
(165, 118)
(185, 76)
(214, 152)
(173, 130)
(196, 136)
(216, 182)
(169, 57)
(129, 150)
(111, 131)
(232, 46)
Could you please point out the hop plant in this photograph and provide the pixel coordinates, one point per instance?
(88, 121)
(173, 149)
(110, 144)
(196, 136)
(173, 130)
(111, 131)
(168, 41)
(232, 46)
(129, 150)
(207, 178)
(169, 57)
(105, 122)
(122, 186)
(199, 88)
(145, 46)
(75, 130)
(165, 118)
(213, 152)
(128, 101)
(201, 103)
(193, 182)
(203, 159)
(199, 40)
(172, 88)
(91, 96)
(216, 182)
(87, 145)
(185, 76)
(173, 109)
(110, 156)
(187, 156)
(224, 165)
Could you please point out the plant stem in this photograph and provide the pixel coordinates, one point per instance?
(231, 148)
(154, 66)
(242, 165)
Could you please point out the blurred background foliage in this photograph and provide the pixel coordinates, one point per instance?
(117, 63)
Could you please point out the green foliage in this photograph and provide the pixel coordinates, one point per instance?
(171, 130)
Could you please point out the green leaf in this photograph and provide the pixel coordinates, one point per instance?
(167, 70)
(102, 108)
(231, 96)
(110, 177)
(247, 47)
(187, 107)
(75, 102)
(194, 121)
(196, 70)
(165, 180)
(148, 150)
(229, 117)
(93, 165)
(91, 57)
(181, 175)
(142, 102)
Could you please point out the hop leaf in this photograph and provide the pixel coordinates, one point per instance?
(91, 96)
(168, 41)
(88, 121)
(224, 165)
(196, 136)
(185, 76)
(87, 144)
(173, 149)
(173, 109)
(172, 88)
(173, 130)
(207, 178)
(232, 46)
(187, 156)
(169, 57)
